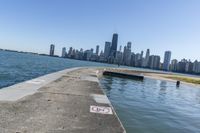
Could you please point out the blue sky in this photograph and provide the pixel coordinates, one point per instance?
(32, 25)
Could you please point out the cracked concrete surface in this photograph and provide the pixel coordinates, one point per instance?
(61, 106)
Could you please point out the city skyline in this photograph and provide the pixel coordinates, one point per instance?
(157, 25)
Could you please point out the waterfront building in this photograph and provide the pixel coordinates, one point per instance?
(146, 59)
(97, 50)
(127, 54)
(119, 58)
(70, 52)
(63, 52)
(133, 59)
(182, 65)
(196, 67)
(107, 49)
(189, 67)
(120, 48)
(52, 48)
(88, 55)
(166, 62)
(113, 49)
(141, 55)
(173, 66)
(92, 50)
(138, 62)
(154, 62)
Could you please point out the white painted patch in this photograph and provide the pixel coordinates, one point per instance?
(100, 98)
(35, 81)
(101, 110)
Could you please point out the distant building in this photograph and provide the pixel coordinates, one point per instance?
(196, 67)
(174, 65)
(92, 50)
(88, 54)
(166, 62)
(107, 49)
(70, 52)
(138, 62)
(127, 54)
(182, 65)
(63, 52)
(52, 48)
(146, 59)
(97, 50)
(154, 62)
(119, 57)
(113, 49)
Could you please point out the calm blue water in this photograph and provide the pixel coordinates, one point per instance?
(154, 106)
(18, 67)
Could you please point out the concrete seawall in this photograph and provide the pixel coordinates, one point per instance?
(69, 101)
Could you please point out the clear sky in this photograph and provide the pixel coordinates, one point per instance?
(32, 25)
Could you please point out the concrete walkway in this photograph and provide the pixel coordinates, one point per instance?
(73, 103)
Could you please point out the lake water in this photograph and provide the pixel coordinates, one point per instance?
(154, 106)
(151, 106)
(18, 67)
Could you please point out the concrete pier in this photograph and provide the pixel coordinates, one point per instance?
(71, 102)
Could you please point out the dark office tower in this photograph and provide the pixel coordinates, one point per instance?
(97, 50)
(52, 48)
(107, 49)
(113, 49)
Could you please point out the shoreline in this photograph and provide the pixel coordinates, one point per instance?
(156, 75)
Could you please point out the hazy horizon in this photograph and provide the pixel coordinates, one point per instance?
(32, 25)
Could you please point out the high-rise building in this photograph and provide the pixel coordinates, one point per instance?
(97, 50)
(146, 60)
(63, 52)
(196, 67)
(154, 62)
(70, 52)
(120, 48)
(167, 59)
(113, 49)
(107, 49)
(127, 54)
(92, 50)
(142, 52)
(174, 65)
(52, 48)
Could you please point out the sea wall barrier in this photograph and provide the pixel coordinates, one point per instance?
(123, 75)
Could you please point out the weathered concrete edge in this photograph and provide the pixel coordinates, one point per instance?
(99, 75)
(20, 90)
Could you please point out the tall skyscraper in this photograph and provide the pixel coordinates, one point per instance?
(107, 49)
(154, 62)
(174, 65)
(63, 52)
(166, 62)
(52, 48)
(127, 54)
(97, 50)
(113, 49)
(142, 52)
(146, 60)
